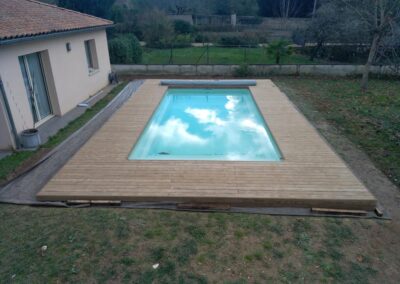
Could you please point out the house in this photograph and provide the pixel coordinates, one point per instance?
(51, 59)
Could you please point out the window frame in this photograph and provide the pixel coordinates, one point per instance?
(91, 56)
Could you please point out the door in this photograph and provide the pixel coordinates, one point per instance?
(35, 83)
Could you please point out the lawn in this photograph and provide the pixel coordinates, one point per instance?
(122, 245)
(18, 160)
(217, 55)
(370, 120)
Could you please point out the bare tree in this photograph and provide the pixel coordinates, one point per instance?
(289, 8)
(381, 18)
(314, 8)
(388, 51)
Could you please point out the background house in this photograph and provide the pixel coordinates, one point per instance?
(51, 59)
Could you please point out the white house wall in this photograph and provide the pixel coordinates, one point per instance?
(72, 82)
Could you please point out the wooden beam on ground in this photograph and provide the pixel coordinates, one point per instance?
(339, 211)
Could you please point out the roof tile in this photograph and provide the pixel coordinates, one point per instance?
(23, 18)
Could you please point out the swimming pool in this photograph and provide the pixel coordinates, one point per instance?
(206, 124)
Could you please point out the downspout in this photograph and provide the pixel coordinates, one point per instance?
(9, 115)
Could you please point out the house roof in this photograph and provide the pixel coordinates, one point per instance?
(27, 18)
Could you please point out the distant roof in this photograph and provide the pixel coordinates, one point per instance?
(27, 18)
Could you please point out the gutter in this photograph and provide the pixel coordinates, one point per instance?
(51, 35)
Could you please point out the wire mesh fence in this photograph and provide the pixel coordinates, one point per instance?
(216, 54)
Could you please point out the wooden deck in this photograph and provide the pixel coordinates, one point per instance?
(311, 174)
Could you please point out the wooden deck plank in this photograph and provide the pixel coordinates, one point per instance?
(311, 174)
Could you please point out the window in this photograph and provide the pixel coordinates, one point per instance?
(91, 56)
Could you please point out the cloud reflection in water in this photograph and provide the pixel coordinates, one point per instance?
(219, 125)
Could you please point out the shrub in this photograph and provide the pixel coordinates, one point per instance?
(279, 49)
(200, 38)
(218, 28)
(182, 27)
(181, 41)
(231, 40)
(157, 29)
(299, 36)
(253, 38)
(243, 71)
(340, 53)
(251, 21)
(245, 39)
(125, 49)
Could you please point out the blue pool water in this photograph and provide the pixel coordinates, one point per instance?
(206, 124)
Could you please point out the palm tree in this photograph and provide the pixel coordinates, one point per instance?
(279, 49)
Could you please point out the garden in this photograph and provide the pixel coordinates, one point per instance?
(124, 245)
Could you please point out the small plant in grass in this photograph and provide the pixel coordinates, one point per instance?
(276, 253)
(267, 245)
(301, 231)
(248, 257)
(192, 278)
(127, 261)
(157, 253)
(239, 234)
(279, 49)
(243, 70)
(185, 250)
(196, 232)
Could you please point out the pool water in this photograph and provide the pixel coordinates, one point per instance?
(206, 124)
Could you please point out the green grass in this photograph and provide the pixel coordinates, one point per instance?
(217, 55)
(86, 245)
(370, 120)
(9, 164)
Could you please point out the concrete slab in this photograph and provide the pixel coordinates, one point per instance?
(52, 126)
(4, 154)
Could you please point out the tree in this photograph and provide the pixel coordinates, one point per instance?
(99, 8)
(286, 8)
(314, 7)
(289, 8)
(245, 7)
(203, 7)
(223, 7)
(176, 6)
(381, 19)
(279, 49)
(158, 30)
(325, 26)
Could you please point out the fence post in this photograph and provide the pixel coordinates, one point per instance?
(245, 54)
(208, 54)
(171, 55)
